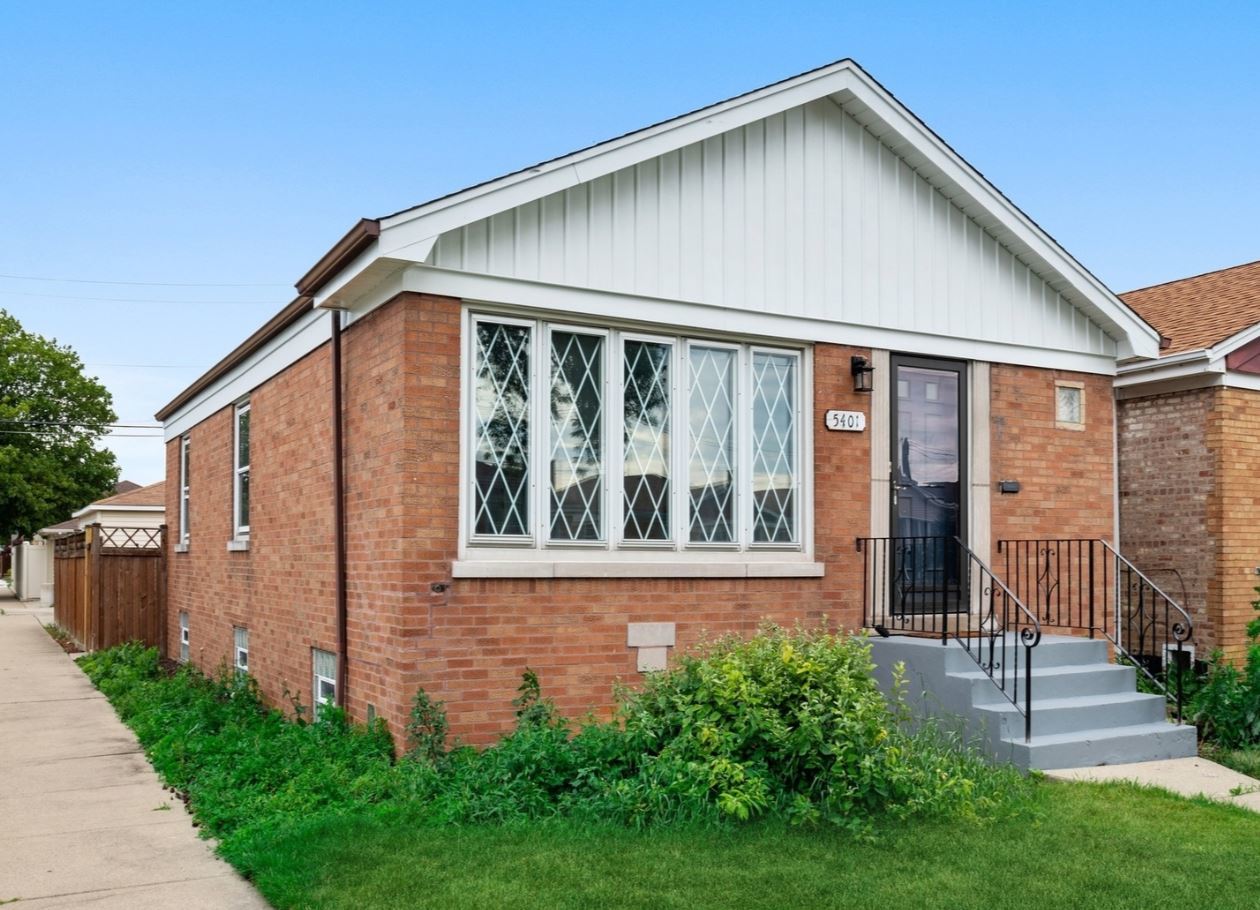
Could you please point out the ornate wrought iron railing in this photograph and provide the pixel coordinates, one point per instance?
(935, 586)
(1085, 584)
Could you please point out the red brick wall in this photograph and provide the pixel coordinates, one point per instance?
(1167, 479)
(1233, 435)
(281, 589)
(467, 641)
(1066, 476)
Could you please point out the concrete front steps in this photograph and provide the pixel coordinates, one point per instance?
(1086, 711)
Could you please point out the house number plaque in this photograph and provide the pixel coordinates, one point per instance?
(850, 421)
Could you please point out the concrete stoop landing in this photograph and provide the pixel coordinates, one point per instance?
(1086, 711)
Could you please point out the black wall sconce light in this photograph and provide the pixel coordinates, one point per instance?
(862, 374)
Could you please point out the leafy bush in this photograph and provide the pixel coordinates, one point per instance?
(1226, 702)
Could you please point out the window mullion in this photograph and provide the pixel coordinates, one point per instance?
(743, 454)
(540, 432)
(614, 440)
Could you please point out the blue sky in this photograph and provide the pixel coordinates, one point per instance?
(233, 143)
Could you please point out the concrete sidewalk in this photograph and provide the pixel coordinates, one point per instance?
(1183, 776)
(84, 821)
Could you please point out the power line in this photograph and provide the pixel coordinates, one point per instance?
(146, 366)
(77, 424)
(104, 435)
(141, 299)
(141, 284)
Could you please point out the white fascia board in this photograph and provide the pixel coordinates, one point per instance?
(291, 345)
(1175, 366)
(1143, 339)
(1235, 341)
(537, 298)
(102, 508)
(525, 186)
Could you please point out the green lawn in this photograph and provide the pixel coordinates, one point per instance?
(1081, 846)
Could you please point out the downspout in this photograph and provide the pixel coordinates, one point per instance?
(339, 509)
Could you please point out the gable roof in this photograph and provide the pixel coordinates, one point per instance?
(154, 495)
(375, 252)
(124, 486)
(1201, 311)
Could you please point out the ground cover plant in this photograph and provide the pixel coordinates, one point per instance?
(789, 725)
(767, 772)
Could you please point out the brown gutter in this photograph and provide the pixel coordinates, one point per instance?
(339, 510)
(357, 239)
(273, 327)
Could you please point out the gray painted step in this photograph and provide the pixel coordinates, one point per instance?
(1082, 712)
(1111, 746)
(1086, 711)
(1053, 651)
(1057, 682)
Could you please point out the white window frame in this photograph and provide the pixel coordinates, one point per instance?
(184, 522)
(240, 530)
(317, 698)
(536, 546)
(185, 638)
(240, 645)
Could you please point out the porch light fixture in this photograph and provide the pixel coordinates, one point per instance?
(861, 369)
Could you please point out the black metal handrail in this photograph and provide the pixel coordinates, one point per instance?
(936, 586)
(1086, 584)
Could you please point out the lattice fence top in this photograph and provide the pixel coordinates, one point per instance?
(70, 544)
(131, 538)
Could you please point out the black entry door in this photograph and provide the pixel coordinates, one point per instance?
(928, 481)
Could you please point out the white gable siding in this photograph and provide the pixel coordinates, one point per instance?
(804, 213)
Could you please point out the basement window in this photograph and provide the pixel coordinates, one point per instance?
(240, 641)
(183, 637)
(324, 679)
(1069, 405)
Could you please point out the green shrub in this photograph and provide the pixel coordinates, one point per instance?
(1226, 703)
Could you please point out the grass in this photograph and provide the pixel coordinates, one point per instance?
(1083, 846)
(1245, 761)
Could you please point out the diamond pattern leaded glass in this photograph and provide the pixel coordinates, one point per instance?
(577, 420)
(1068, 404)
(501, 429)
(646, 411)
(774, 448)
(711, 459)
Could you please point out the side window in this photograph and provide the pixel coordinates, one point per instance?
(183, 636)
(183, 490)
(240, 474)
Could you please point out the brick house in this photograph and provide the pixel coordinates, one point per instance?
(579, 417)
(1189, 447)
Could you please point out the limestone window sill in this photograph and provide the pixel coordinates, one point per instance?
(238, 546)
(508, 568)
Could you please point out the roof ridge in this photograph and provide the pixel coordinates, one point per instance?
(1160, 284)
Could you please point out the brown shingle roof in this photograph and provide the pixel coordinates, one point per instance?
(1201, 311)
(152, 495)
(126, 486)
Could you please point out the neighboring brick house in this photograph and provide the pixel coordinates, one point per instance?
(584, 410)
(1189, 446)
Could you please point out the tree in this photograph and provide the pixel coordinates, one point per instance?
(52, 417)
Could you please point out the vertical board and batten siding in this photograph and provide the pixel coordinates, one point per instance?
(806, 213)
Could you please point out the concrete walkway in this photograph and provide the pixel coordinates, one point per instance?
(83, 819)
(1183, 776)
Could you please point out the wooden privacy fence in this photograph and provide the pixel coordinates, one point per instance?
(109, 586)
